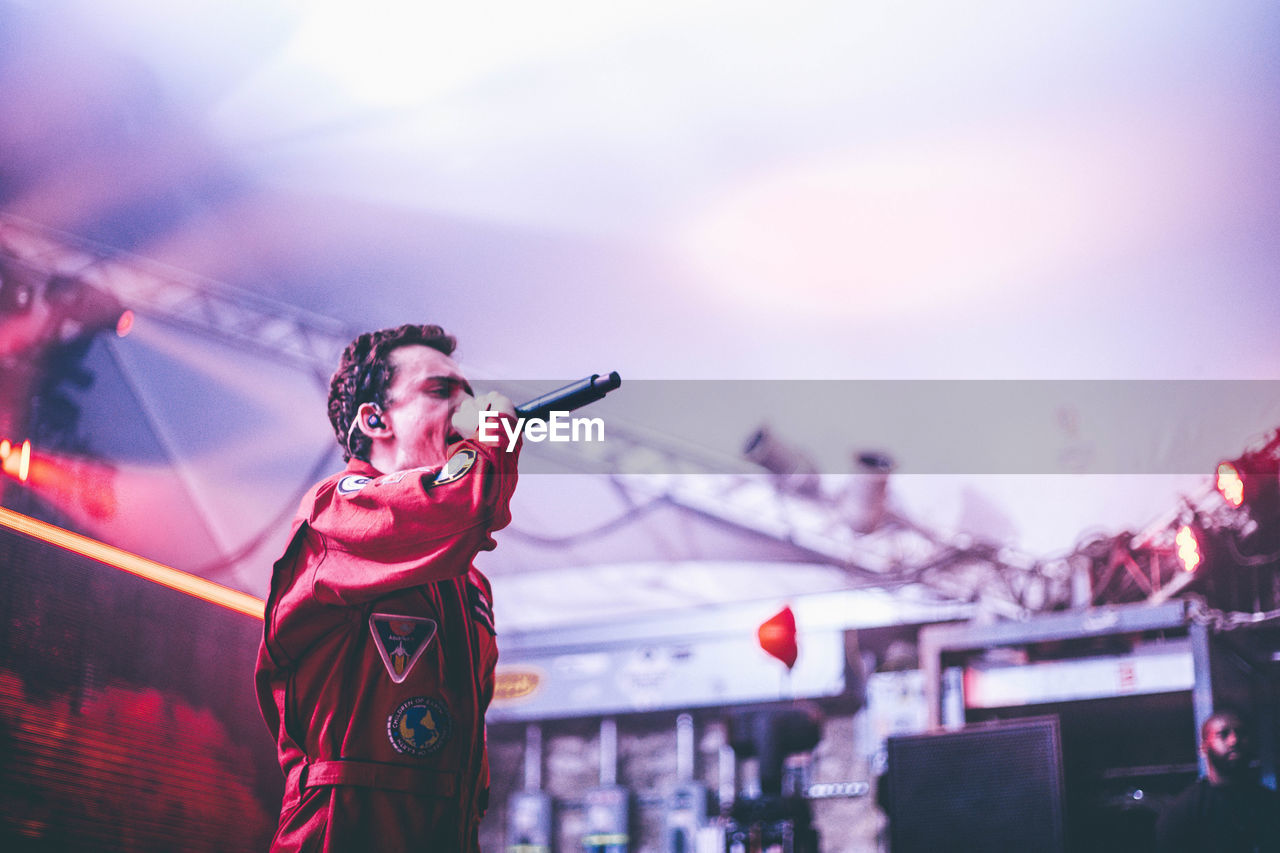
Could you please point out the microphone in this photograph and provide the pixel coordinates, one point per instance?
(572, 396)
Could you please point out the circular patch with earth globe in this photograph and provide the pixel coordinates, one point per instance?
(419, 726)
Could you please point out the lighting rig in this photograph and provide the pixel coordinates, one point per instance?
(15, 459)
(771, 492)
(48, 321)
(856, 532)
(1230, 553)
(1222, 543)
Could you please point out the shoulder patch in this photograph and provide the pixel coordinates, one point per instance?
(458, 465)
(352, 483)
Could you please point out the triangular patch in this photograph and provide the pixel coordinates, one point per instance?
(401, 640)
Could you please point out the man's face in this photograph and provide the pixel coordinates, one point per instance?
(426, 389)
(1226, 744)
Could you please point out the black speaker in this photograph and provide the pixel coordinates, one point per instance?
(988, 787)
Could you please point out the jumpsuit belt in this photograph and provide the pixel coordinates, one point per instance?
(387, 777)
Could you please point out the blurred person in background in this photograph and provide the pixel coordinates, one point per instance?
(1227, 811)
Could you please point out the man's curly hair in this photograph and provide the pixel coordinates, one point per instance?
(365, 374)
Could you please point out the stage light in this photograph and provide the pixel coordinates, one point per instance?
(1252, 484)
(39, 308)
(1230, 484)
(16, 461)
(862, 501)
(16, 292)
(79, 310)
(793, 471)
(125, 324)
(23, 317)
(1188, 548)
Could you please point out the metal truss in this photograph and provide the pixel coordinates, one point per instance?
(646, 465)
(242, 319)
(895, 552)
(1145, 566)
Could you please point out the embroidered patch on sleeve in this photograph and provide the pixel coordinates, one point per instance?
(419, 726)
(481, 606)
(352, 483)
(401, 640)
(459, 464)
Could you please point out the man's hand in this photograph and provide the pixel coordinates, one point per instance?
(466, 420)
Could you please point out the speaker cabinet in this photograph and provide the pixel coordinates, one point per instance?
(990, 787)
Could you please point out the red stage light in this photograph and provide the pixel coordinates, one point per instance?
(1188, 548)
(125, 324)
(16, 464)
(1230, 483)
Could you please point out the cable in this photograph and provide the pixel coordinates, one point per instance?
(1221, 621)
(1243, 559)
(276, 522)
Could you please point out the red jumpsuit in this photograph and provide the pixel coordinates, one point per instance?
(378, 655)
